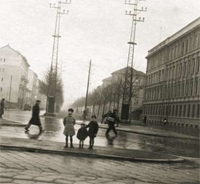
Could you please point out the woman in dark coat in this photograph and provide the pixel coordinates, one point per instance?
(35, 119)
(92, 132)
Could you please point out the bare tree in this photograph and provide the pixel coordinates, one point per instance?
(46, 88)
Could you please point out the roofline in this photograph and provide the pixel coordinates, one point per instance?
(174, 36)
(33, 72)
(23, 57)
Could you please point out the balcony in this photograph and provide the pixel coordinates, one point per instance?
(23, 78)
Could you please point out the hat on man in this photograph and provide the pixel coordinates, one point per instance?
(70, 110)
(38, 101)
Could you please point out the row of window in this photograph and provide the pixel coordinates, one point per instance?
(184, 88)
(182, 68)
(183, 47)
(2, 60)
(156, 77)
(179, 48)
(167, 110)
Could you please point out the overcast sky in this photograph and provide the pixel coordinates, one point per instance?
(94, 29)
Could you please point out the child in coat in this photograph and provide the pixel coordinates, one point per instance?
(93, 129)
(82, 135)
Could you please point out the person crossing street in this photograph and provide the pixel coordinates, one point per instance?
(111, 120)
(35, 119)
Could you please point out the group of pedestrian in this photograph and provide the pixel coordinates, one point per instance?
(69, 122)
(69, 130)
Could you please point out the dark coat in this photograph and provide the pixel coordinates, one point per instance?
(35, 120)
(82, 134)
(2, 106)
(93, 129)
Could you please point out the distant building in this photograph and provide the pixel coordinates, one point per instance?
(117, 81)
(172, 82)
(13, 76)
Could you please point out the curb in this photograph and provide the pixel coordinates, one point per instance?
(93, 155)
(156, 135)
(128, 131)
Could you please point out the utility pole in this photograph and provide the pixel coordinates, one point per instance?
(88, 84)
(127, 91)
(51, 92)
(10, 90)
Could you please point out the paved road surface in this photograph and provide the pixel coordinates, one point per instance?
(35, 168)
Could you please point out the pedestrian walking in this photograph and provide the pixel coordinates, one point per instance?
(2, 106)
(82, 135)
(111, 120)
(69, 131)
(92, 131)
(35, 119)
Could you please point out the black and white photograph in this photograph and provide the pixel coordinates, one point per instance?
(100, 92)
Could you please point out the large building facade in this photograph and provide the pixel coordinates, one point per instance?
(18, 84)
(13, 76)
(173, 79)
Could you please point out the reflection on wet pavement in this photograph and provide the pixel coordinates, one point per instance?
(54, 132)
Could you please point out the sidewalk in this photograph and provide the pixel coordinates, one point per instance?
(144, 130)
(40, 146)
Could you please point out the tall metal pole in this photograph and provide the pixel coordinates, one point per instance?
(10, 90)
(88, 83)
(128, 85)
(51, 92)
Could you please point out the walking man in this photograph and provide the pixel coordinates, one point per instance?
(111, 120)
(2, 106)
(35, 119)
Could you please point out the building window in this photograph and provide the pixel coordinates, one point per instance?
(191, 87)
(176, 111)
(196, 86)
(172, 110)
(193, 67)
(2, 79)
(4, 60)
(193, 111)
(182, 48)
(183, 88)
(180, 111)
(188, 112)
(184, 111)
(197, 65)
(198, 109)
(1, 89)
